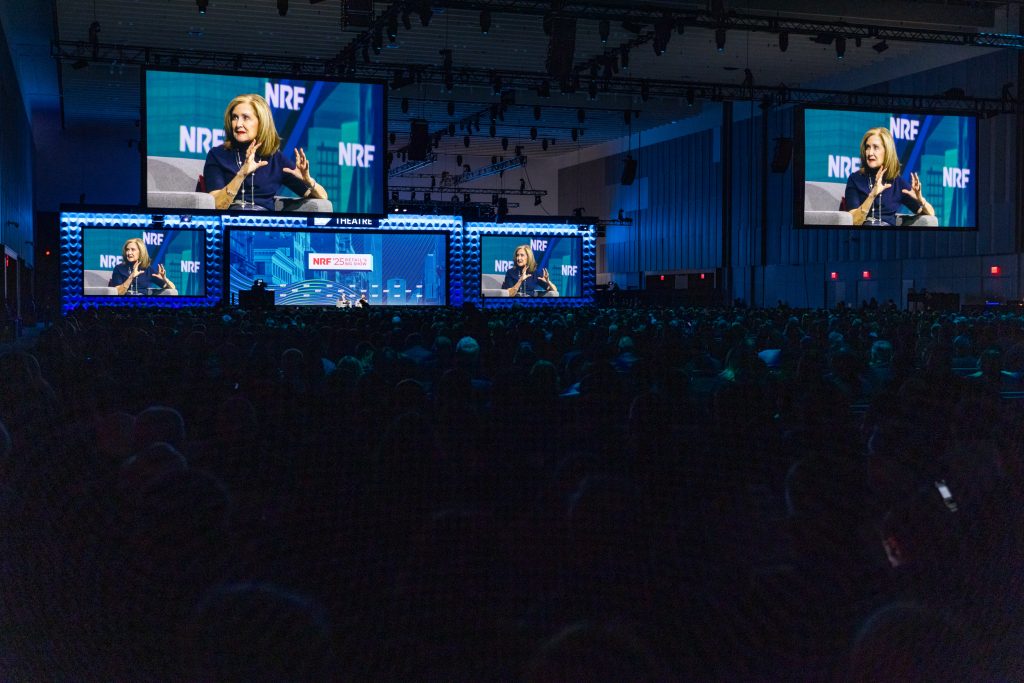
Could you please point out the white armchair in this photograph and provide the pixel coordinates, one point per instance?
(822, 202)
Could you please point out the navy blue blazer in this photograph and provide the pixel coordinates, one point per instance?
(858, 186)
(222, 165)
(531, 286)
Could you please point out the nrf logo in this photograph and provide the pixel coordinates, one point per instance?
(281, 96)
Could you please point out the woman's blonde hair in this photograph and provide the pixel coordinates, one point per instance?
(531, 262)
(891, 162)
(144, 259)
(266, 135)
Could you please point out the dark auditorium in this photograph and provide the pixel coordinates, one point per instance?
(435, 340)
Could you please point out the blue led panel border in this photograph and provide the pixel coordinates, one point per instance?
(471, 233)
(71, 265)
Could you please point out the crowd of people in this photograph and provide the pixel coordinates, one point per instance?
(537, 494)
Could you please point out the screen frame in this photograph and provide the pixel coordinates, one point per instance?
(85, 228)
(799, 168)
(144, 155)
(231, 229)
(578, 237)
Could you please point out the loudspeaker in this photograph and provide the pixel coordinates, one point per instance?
(783, 151)
(561, 47)
(419, 140)
(628, 171)
(254, 299)
(502, 207)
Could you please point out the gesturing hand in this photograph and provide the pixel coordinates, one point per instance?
(251, 164)
(161, 272)
(543, 277)
(301, 170)
(915, 188)
(880, 184)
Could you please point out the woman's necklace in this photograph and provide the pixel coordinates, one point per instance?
(252, 183)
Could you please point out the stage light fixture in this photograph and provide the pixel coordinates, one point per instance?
(426, 12)
(880, 47)
(366, 54)
(536, 200)
(504, 144)
(662, 34)
(391, 137)
(392, 27)
(783, 41)
(282, 7)
(645, 90)
(575, 134)
(465, 198)
(405, 105)
(691, 96)
(485, 21)
(581, 114)
(592, 90)
(493, 130)
(624, 57)
(533, 132)
(603, 28)
(377, 40)
(451, 128)
(627, 116)
(458, 159)
(720, 39)
(840, 47)
(544, 144)
(465, 141)
(543, 90)
(406, 20)
(522, 184)
(202, 5)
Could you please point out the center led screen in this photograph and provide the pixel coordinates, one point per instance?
(333, 268)
(928, 163)
(199, 128)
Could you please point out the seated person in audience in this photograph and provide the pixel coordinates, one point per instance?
(137, 273)
(523, 279)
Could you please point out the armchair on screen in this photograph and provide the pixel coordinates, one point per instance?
(94, 283)
(174, 183)
(823, 205)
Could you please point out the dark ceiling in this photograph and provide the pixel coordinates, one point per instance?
(251, 33)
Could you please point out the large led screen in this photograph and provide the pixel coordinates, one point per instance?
(198, 135)
(338, 268)
(928, 161)
(143, 262)
(546, 266)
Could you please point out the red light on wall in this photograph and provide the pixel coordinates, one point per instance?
(994, 270)
(661, 277)
(834, 275)
(866, 275)
(48, 252)
(702, 276)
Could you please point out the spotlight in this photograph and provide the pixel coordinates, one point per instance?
(536, 200)
(544, 144)
(406, 20)
(465, 140)
(691, 96)
(662, 34)
(451, 129)
(575, 134)
(451, 108)
(426, 196)
(536, 112)
(465, 198)
(366, 54)
(377, 41)
(433, 181)
(493, 130)
(496, 84)
(627, 116)
(624, 57)
(494, 159)
(603, 29)
(394, 195)
(522, 184)
(412, 196)
(504, 144)
(282, 7)
(405, 105)
(592, 90)
(581, 115)
(880, 47)
(80, 64)
(391, 137)
(94, 39)
(519, 150)
(458, 159)
(202, 4)
(840, 47)
(783, 41)
(720, 39)
(392, 28)
(543, 90)
(645, 91)
(533, 132)
(425, 12)
(485, 21)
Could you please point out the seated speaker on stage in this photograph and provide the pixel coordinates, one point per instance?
(137, 274)
(524, 278)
